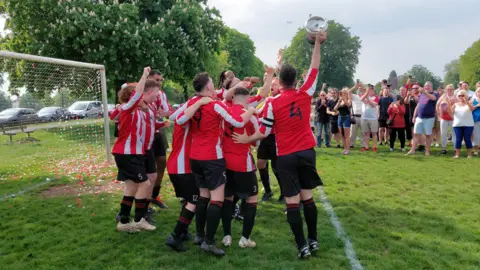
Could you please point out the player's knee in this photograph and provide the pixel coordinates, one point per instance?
(252, 199)
(229, 198)
(293, 199)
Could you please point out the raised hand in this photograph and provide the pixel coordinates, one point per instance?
(146, 71)
(321, 37)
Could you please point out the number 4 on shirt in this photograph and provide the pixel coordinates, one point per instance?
(295, 111)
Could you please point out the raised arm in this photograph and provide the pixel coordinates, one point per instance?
(267, 84)
(135, 99)
(228, 94)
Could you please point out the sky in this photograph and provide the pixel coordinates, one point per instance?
(395, 34)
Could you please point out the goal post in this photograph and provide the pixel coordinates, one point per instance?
(76, 91)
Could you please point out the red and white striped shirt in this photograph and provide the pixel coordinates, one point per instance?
(238, 157)
(179, 162)
(206, 128)
(289, 113)
(152, 124)
(131, 128)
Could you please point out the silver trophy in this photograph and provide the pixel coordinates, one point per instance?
(314, 25)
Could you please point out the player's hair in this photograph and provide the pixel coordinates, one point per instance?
(149, 85)
(154, 72)
(221, 80)
(125, 94)
(240, 91)
(400, 99)
(288, 75)
(200, 81)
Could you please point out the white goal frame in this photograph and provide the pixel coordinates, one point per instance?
(103, 80)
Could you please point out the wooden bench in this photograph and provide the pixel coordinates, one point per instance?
(13, 130)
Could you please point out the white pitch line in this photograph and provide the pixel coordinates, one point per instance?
(24, 190)
(349, 251)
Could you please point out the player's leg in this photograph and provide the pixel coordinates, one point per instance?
(281, 198)
(215, 179)
(185, 187)
(203, 200)
(262, 165)
(151, 169)
(250, 184)
(309, 179)
(124, 224)
(227, 209)
(143, 192)
(159, 147)
(289, 177)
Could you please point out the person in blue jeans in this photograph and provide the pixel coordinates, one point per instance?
(463, 123)
(323, 120)
(343, 107)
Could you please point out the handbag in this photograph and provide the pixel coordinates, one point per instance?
(353, 119)
(390, 121)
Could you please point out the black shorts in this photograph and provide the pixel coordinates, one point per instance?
(158, 145)
(298, 171)
(209, 174)
(382, 123)
(115, 130)
(185, 187)
(267, 150)
(334, 127)
(150, 162)
(242, 184)
(131, 167)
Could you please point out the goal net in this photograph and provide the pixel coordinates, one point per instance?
(57, 106)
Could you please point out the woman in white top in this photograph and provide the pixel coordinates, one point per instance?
(446, 120)
(462, 123)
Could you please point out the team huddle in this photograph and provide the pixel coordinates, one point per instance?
(211, 164)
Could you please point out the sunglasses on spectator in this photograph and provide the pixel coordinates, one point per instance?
(461, 95)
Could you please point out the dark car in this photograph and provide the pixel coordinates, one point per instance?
(50, 114)
(18, 116)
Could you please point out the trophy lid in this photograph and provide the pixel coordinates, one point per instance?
(316, 24)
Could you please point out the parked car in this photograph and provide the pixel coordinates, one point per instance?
(86, 109)
(18, 116)
(111, 108)
(50, 114)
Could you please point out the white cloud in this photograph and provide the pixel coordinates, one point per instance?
(395, 34)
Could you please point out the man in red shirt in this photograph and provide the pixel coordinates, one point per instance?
(180, 173)
(289, 114)
(207, 162)
(241, 177)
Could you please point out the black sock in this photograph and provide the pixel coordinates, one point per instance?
(201, 215)
(140, 209)
(310, 213)
(265, 178)
(125, 208)
(227, 212)
(156, 191)
(235, 199)
(294, 218)
(249, 219)
(214, 214)
(183, 222)
(147, 204)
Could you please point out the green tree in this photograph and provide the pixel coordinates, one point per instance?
(5, 102)
(216, 63)
(422, 74)
(452, 72)
(173, 36)
(470, 64)
(241, 52)
(27, 100)
(339, 55)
